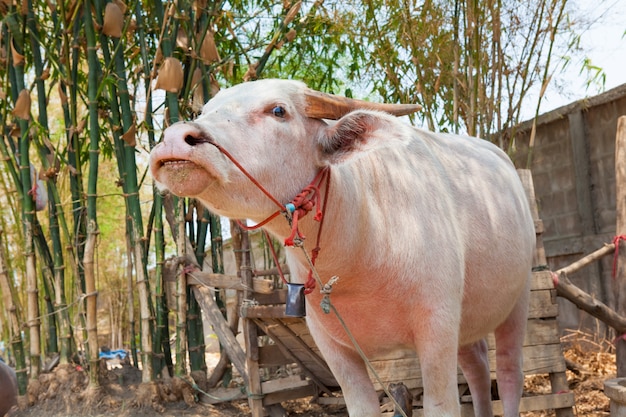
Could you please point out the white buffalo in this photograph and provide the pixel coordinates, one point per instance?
(430, 234)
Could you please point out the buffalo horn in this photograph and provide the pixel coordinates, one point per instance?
(328, 106)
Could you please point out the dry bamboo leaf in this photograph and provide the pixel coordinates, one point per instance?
(132, 27)
(16, 132)
(291, 35)
(251, 73)
(24, 7)
(208, 51)
(62, 94)
(3, 94)
(18, 58)
(113, 21)
(182, 41)
(214, 86)
(45, 74)
(121, 5)
(198, 95)
(22, 105)
(81, 126)
(129, 136)
(170, 76)
(52, 6)
(292, 13)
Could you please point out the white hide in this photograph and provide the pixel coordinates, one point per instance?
(430, 234)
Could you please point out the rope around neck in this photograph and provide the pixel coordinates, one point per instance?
(304, 202)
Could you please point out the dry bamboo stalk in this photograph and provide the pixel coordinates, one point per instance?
(181, 294)
(144, 310)
(91, 298)
(33, 303)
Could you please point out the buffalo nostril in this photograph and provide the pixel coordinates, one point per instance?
(197, 139)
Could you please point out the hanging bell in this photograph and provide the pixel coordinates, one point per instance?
(296, 302)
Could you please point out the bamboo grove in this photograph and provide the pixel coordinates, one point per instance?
(87, 86)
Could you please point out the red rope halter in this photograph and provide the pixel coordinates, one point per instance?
(300, 206)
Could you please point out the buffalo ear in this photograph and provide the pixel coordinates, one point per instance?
(349, 135)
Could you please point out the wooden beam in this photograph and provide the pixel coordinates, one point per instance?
(566, 289)
(214, 316)
(592, 257)
(620, 229)
(231, 282)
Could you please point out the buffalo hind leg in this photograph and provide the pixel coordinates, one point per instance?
(509, 342)
(474, 363)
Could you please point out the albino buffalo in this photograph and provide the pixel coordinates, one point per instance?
(430, 234)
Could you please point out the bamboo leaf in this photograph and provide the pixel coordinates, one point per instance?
(22, 105)
(171, 76)
(129, 135)
(208, 51)
(113, 21)
(18, 58)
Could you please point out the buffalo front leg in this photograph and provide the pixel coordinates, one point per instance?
(350, 372)
(438, 361)
(474, 363)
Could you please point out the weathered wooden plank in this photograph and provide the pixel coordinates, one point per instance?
(538, 332)
(278, 296)
(539, 359)
(534, 403)
(541, 280)
(263, 312)
(213, 315)
(271, 355)
(301, 353)
(310, 364)
(542, 305)
(289, 392)
(233, 282)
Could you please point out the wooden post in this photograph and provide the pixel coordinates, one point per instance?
(620, 229)
(250, 330)
(558, 380)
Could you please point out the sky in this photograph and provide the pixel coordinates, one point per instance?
(603, 41)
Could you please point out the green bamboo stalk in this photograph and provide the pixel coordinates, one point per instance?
(56, 215)
(28, 207)
(42, 244)
(134, 209)
(11, 304)
(194, 320)
(92, 225)
(161, 344)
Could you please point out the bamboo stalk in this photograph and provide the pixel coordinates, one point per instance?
(11, 306)
(92, 226)
(181, 293)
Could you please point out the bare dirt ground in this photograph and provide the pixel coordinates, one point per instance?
(64, 392)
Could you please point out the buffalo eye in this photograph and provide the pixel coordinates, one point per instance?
(279, 111)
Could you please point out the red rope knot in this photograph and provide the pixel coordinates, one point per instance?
(616, 241)
(308, 199)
